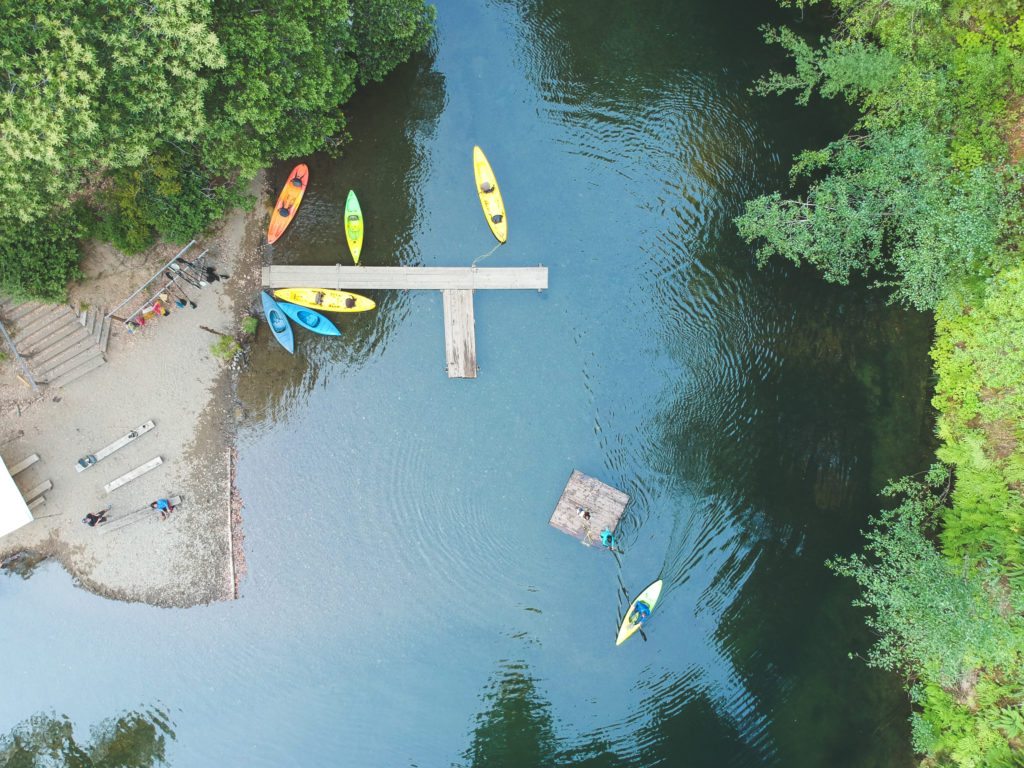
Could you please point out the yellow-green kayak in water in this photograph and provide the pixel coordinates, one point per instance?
(632, 622)
(354, 225)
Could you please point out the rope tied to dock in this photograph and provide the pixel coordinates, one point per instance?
(484, 256)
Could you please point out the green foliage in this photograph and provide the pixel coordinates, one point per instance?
(979, 359)
(225, 348)
(92, 87)
(922, 197)
(913, 196)
(37, 261)
(974, 726)
(387, 32)
(289, 71)
(156, 115)
(250, 324)
(169, 196)
(949, 625)
(884, 208)
(933, 618)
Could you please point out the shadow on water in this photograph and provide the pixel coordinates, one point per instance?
(784, 404)
(133, 740)
(388, 184)
(516, 727)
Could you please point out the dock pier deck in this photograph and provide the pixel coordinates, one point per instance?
(456, 284)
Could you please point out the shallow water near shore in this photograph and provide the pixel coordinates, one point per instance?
(406, 602)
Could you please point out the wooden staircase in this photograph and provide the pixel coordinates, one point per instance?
(59, 345)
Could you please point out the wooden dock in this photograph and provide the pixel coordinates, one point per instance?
(456, 284)
(459, 334)
(406, 278)
(587, 507)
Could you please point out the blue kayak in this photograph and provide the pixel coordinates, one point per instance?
(278, 322)
(309, 319)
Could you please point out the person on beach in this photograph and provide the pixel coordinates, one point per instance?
(95, 518)
(163, 506)
(212, 275)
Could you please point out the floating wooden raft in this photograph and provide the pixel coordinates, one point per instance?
(605, 504)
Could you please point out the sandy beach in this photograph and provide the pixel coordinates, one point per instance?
(164, 373)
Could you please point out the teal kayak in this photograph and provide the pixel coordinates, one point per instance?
(309, 319)
(278, 322)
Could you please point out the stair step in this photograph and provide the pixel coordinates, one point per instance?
(35, 322)
(41, 357)
(45, 370)
(22, 311)
(40, 321)
(77, 373)
(90, 320)
(70, 364)
(105, 334)
(40, 489)
(22, 465)
(60, 328)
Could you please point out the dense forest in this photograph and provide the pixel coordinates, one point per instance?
(922, 198)
(130, 121)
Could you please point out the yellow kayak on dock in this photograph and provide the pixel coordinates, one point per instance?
(490, 195)
(325, 299)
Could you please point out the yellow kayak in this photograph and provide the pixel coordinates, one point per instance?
(490, 195)
(325, 299)
(631, 622)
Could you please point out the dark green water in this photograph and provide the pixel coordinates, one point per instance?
(407, 603)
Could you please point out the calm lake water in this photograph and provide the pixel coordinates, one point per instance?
(407, 603)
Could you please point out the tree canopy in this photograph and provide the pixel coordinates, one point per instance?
(154, 115)
(923, 195)
(914, 195)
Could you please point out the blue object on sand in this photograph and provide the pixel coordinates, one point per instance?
(278, 322)
(309, 319)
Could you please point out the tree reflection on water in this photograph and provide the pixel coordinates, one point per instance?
(46, 740)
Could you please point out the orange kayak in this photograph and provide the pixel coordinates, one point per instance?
(288, 202)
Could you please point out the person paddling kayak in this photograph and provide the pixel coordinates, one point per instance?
(641, 613)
